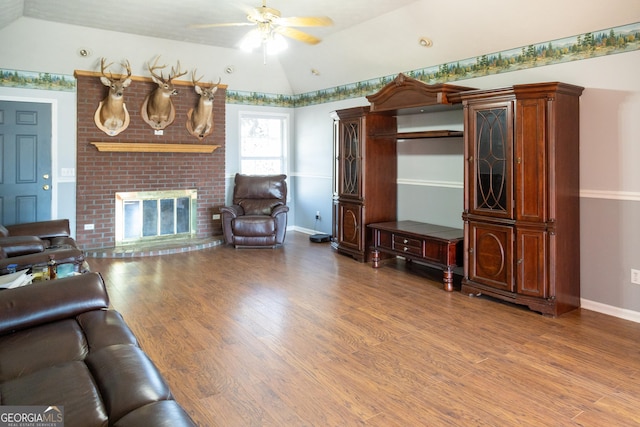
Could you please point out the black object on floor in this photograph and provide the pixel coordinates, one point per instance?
(320, 238)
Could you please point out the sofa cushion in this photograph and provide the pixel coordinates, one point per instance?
(68, 384)
(259, 206)
(42, 229)
(22, 245)
(254, 225)
(127, 379)
(103, 328)
(29, 306)
(259, 187)
(47, 346)
(255, 241)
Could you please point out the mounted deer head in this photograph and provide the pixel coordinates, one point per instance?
(112, 116)
(200, 118)
(157, 109)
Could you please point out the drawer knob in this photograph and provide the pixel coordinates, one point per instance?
(405, 241)
(406, 249)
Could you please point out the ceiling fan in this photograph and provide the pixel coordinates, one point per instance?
(270, 23)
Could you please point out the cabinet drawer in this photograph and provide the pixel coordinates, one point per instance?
(400, 240)
(407, 245)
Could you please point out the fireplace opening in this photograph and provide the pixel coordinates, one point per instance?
(149, 216)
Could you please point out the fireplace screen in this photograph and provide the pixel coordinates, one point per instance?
(152, 215)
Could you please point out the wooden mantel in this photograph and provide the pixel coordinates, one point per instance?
(144, 147)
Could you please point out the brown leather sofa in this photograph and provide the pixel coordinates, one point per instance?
(32, 243)
(258, 216)
(60, 345)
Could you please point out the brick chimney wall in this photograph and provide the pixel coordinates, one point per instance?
(100, 175)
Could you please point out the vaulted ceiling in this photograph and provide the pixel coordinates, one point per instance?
(369, 38)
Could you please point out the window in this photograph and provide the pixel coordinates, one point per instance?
(263, 143)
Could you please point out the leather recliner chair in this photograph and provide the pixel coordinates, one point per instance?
(258, 216)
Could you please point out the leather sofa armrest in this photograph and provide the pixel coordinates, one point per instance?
(42, 229)
(233, 210)
(279, 209)
(22, 245)
(46, 302)
(229, 213)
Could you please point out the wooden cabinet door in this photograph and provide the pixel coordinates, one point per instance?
(490, 159)
(490, 249)
(350, 230)
(531, 264)
(530, 161)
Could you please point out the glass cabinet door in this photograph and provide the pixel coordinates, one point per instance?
(490, 162)
(350, 158)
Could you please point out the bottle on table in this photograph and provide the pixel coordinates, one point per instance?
(53, 267)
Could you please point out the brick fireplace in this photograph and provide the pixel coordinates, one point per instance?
(100, 174)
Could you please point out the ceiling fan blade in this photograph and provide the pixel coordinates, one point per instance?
(307, 21)
(228, 24)
(296, 35)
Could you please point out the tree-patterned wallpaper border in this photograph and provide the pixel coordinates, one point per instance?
(594, 44)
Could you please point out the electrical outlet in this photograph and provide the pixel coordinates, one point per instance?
(635, 276)
(317, 215)
(215, 216)
(88, 227)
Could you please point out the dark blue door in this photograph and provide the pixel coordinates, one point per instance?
(25, 162)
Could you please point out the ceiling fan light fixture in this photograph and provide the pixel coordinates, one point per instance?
(272, 29)
(252, 40)
(275, 44)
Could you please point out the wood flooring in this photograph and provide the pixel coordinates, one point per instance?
(302, 336)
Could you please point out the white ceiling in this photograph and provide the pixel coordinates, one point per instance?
(369, 38)
(169, 19)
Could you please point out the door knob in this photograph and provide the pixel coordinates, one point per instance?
(46, 187)
(45, 176)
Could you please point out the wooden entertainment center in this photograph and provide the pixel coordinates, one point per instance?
(366, 161)
(521, 237)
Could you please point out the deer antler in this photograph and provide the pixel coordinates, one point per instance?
(193, 77)
(127, 67)
(104, 67)
(154, 67)
(196, 82)
(176, 73)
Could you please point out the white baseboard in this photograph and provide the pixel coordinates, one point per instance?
(304, 230)
(622, 313)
